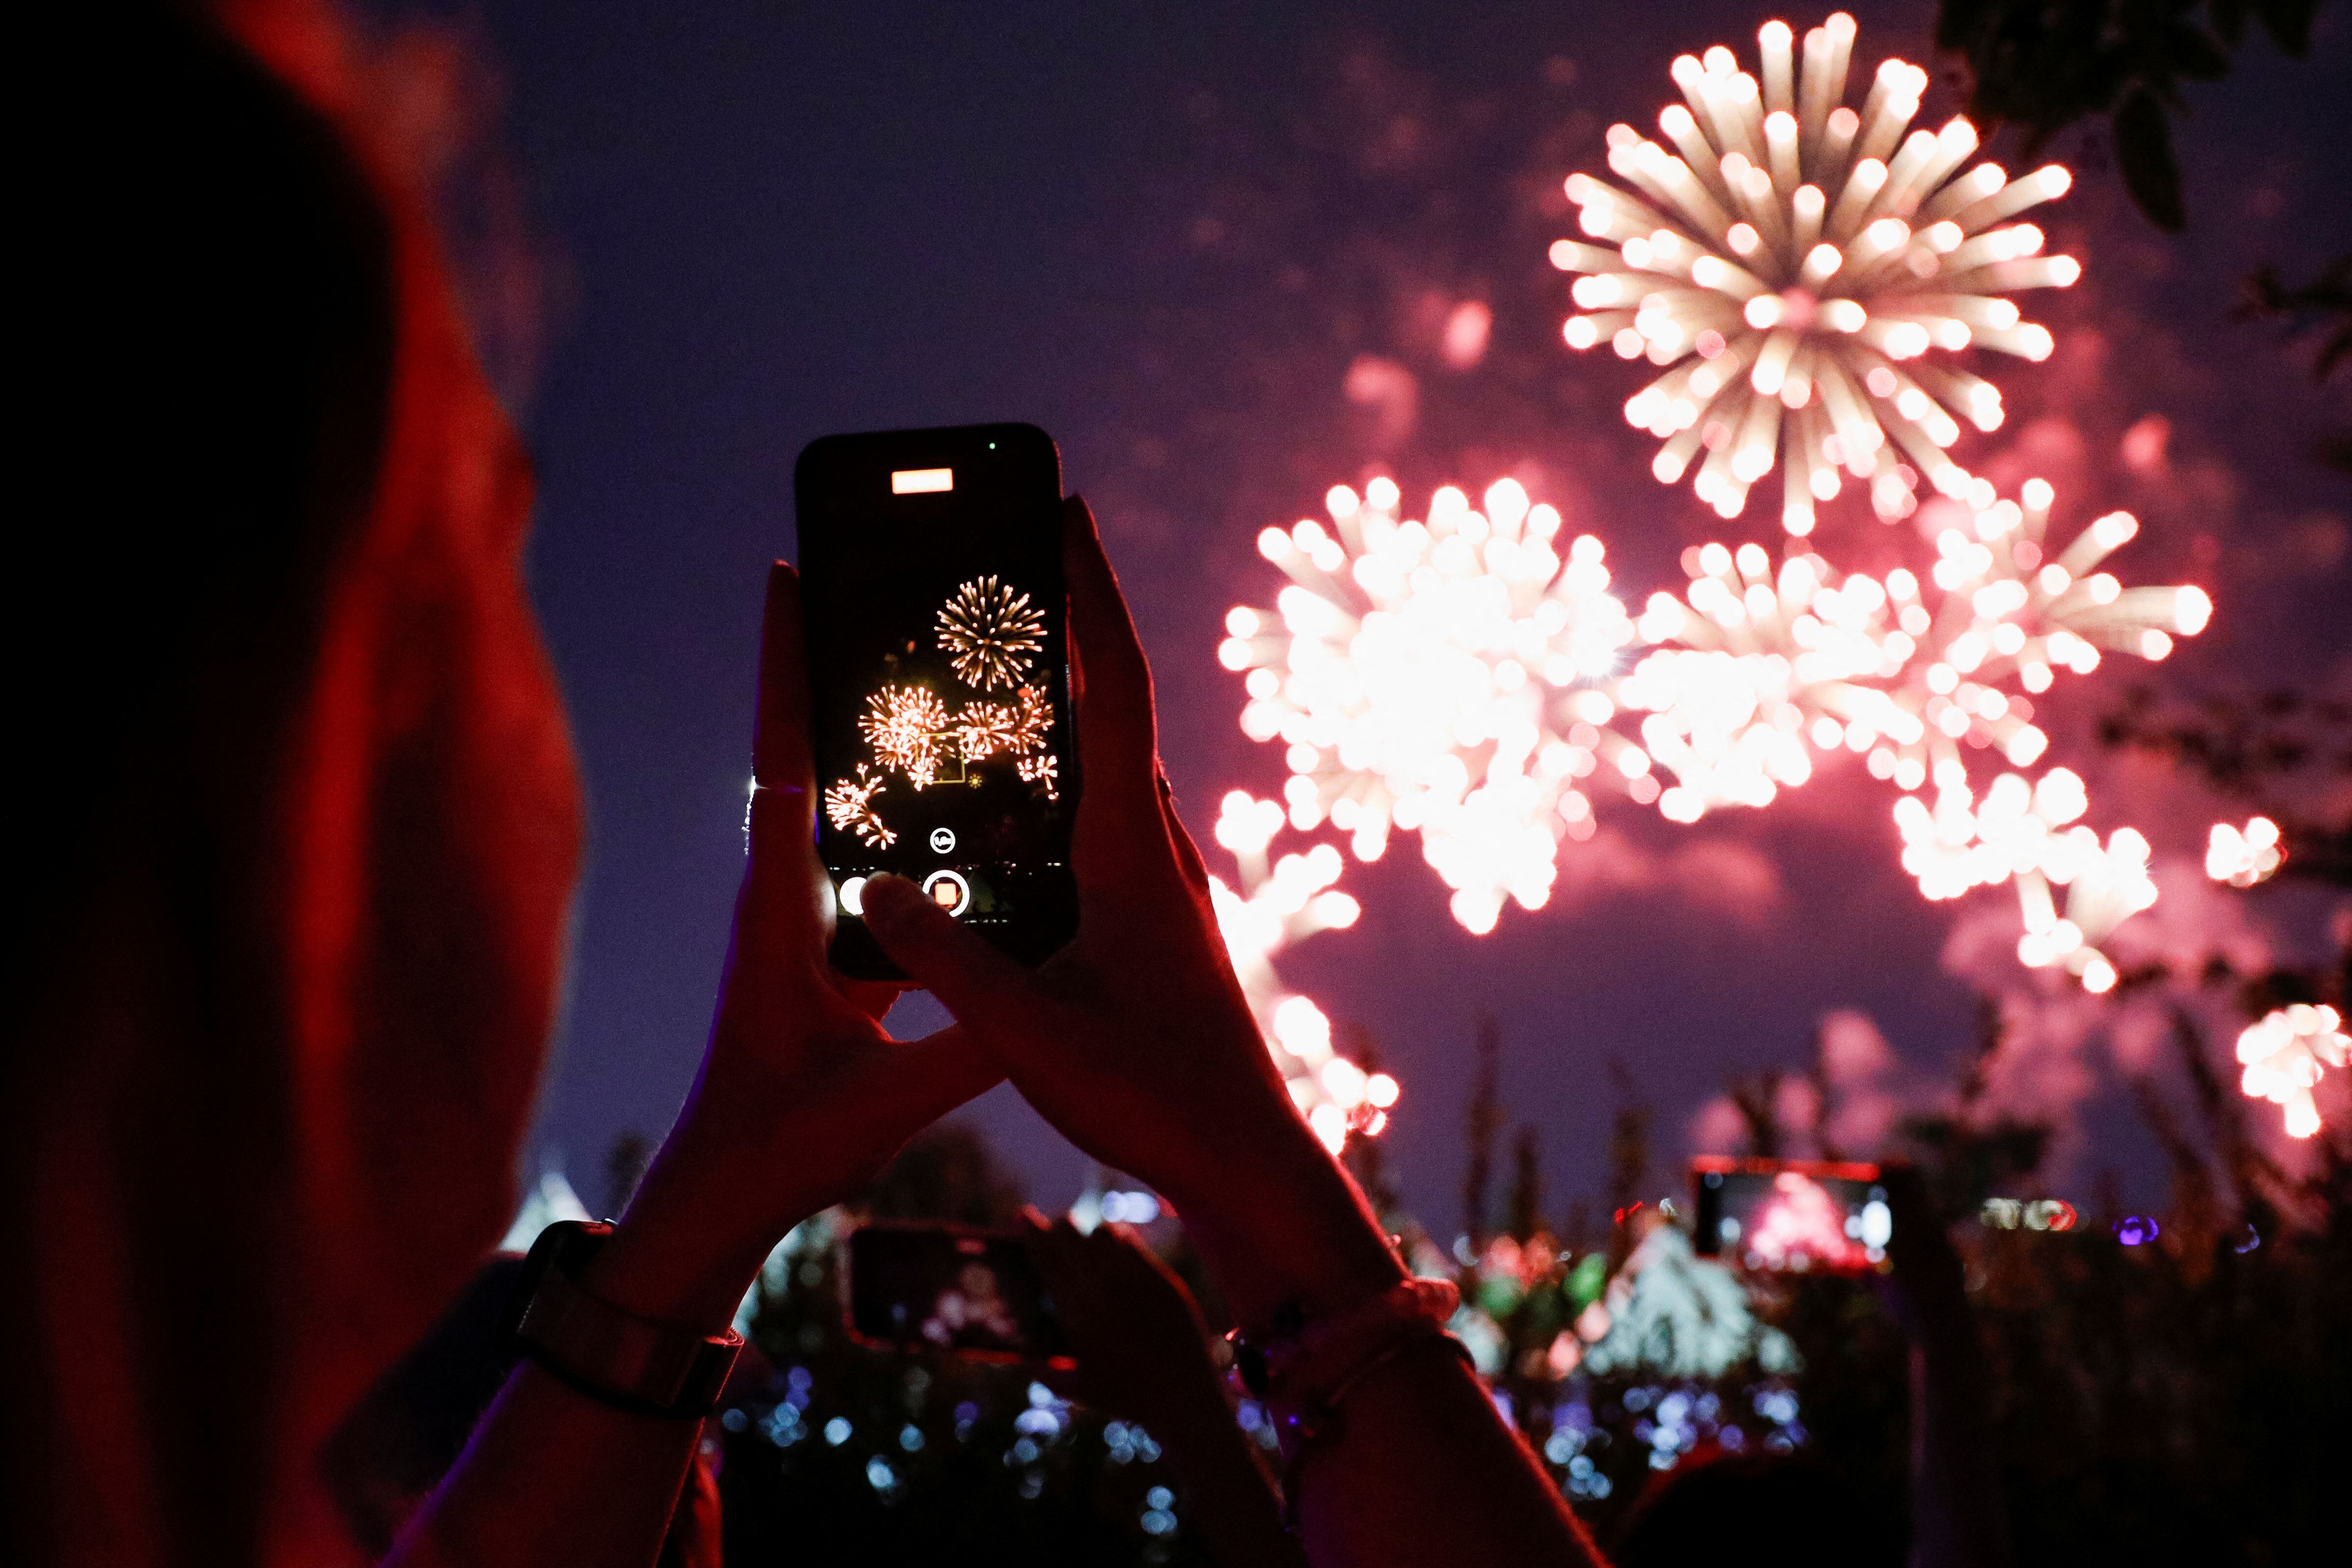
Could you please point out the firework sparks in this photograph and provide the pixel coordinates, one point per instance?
(1419, 673)
(1017, 729)
(2104, 887)
(2243, 857)
(1278, 902)
(904, 725)
(990, 632)
(1792, 263)
(2286, 1055)
(849, 806)
(1457, 679)
(1758, 670)
(1041, 768)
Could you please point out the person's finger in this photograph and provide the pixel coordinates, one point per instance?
(875, 999)
(783, 817)
(1188, 853)
(974, 982)
(779, 749)
(939, 1073)
(1048, 1248)
(1118, 807)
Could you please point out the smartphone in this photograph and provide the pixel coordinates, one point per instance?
(938, 671)
(972, 1294)
(1791, 1216)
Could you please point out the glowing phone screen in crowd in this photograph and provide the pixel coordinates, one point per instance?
(939, 665)
(1791, 1216)
(972, 1292)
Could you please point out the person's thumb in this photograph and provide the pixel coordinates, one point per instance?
(975, 982)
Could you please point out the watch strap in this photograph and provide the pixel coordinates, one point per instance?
(615, 1357)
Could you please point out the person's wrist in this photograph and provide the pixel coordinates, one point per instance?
(1292, 1229)
(682, 1253)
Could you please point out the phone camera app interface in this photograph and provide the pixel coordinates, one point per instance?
(938, 667)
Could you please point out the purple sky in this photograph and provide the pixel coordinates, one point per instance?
(1164, 234)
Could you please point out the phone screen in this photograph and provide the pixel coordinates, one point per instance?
(1791, 1216)
(939, 659)
(972, 1292)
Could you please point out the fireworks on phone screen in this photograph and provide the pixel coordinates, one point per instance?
(992, 635)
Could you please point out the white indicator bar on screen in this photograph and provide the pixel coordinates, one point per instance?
(918, 481)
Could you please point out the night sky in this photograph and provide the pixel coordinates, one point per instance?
(1165, 234)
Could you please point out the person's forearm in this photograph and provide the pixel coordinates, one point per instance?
(1235, 1502)
(554, 1477)
(1286, 1226)
(1420, 1466)
(1421, 1469)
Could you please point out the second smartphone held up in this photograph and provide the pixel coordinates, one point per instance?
(1791, 1216)
(938, 670)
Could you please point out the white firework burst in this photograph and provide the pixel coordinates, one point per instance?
(1760, 674)
(2244, 856)
(1274, 902)
(2286, 1053)
(1792, 263)
(1916, 676)
(1755, 671)
(1456, 679)
(1438, 677)
(1043, 769)
(990, 632)
(904, 725)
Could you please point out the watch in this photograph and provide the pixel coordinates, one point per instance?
(615, 1357)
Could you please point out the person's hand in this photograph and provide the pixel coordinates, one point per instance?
(802, 1097)
(1143, 1356)
(1135, 1041)
(1141, 1345)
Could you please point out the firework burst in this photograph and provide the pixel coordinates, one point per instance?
(1043, 769)
(990, 631)
(1274, 902)
(1790, 263)
(1457, 679)
(1016, 729)
(2244, 856)
(1418, 674)
(849, 807)
(2286, 1053)
(1916, 676)
(905, 727)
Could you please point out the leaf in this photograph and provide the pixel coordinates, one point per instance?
(2144, 155)
(2230, 20)
(2288, 22)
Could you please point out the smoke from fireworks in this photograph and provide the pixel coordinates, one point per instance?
(1792, 263)
(989, 632)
